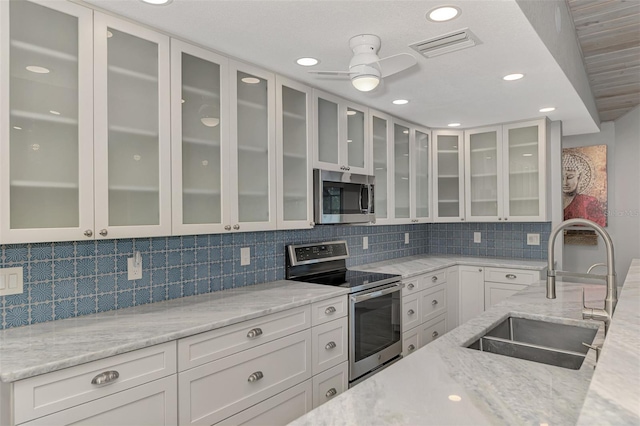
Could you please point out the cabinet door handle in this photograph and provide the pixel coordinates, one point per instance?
(103, 232)
(330, 345)
(411, 348)
(434, 278)
(348, 168)
(254, 377)
(434, 302)
(312, 224)
(254, 332)
(88, 233)
(236, 226)
(435, 334)
(410, 312)
(330, 310)
(511, 276)
(227, 228)
(105, 378)
(331, 392)
(411, 286)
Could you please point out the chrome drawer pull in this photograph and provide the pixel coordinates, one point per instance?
(410, 312)
(330, 345)
(434, 278)
(434, 302)
(411, 348)
(253, 333)
(255, 376)
(331, 392)
(511, 276)
(410, 286)
(105, 378)
(329, 310)
(434, 334)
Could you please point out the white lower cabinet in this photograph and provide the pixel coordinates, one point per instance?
(497, 292)
(431, 330)
(330, 383)
(471, 292)
(500, 283)
(330, 344)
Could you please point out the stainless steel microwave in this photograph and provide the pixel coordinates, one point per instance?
(342, 197)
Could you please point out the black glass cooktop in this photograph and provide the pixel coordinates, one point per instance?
(353, 280)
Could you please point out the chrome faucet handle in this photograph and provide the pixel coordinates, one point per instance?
(595, 314)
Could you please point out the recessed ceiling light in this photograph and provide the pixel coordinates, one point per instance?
(453, 124)
(351, 112)
(251, 80)
(512, 77)
(17, 127)
(400, 102)
(547, 109)
(54, 112)
(443, 13)
(307, 62)
(37, 69)
(157, 2)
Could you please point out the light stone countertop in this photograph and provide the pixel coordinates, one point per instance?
(495, 389)
(41, 348)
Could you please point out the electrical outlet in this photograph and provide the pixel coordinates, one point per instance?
(11, 281)
(245, 256)
(477, 237)
(134, 271)
(365, 243)
(533, 239)
(406, 238)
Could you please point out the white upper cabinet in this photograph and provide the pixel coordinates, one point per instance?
(46, 122)
(380, 131)
(448, 169)
(402, 171)
(341, 137)
(483, 178)
(132, 130)
(200, 140)
(421, 164)
(252, 164)
(294, 155)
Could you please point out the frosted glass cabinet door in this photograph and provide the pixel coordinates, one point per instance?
(449, 180)
(132, 130)
(46, 122)
(252, 148)
(483, 157)
(357, 139)
(380, 128)
(294, 165)
(402, 186)
(199, 104)
(328, 132)
(422, 170)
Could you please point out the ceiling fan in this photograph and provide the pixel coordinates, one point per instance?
(366, 68)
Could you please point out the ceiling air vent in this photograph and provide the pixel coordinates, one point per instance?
(446, 43)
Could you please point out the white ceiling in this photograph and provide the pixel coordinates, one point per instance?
(465, 86)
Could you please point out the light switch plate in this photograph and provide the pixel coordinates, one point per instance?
(533, 239)
(365, 243)
(11, 281)
(477, 237)
(245, 256)
(406, 238)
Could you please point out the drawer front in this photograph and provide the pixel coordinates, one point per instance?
(433, 302)
(511, 276)
(212, 345)
(433, 329)
(214, 391)
(329, 310)
(151, 404)
(281, 409)
(433, 278)
(42, 395)
(411, 286)
(411, 311)
(410, 341)
(330, 344)
(328, 384)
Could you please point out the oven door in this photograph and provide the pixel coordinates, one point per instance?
(375, 328)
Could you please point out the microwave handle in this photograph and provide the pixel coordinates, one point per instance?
(362, 188)
(370, 198)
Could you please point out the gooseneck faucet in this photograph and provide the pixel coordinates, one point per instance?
(611, 299)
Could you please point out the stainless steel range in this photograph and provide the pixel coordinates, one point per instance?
(375, 339)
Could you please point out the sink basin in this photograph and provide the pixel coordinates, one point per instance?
(538, 341)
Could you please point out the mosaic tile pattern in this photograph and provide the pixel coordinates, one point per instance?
(69, 279)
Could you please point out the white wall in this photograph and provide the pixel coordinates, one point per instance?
(622, 138)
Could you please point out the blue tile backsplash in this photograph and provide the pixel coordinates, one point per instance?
(68, 279)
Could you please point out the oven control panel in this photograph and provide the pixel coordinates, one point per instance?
(312, 253)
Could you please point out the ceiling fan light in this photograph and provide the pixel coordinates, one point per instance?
(365, 83)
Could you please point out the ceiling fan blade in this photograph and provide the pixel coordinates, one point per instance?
(396, 63)
(331, 72)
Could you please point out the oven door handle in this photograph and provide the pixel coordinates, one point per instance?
(378, 293)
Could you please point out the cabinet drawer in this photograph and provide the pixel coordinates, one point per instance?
(59, 390)
(330, 345)
(410, 341)
(433, 278)
(281, 409)
(431, 330)
(330, 383)
(411, 311)
(410, 287)
(214, 391)
(328, 310)
(433, 302)
(212, 345)
(511, 276)
(151, 404)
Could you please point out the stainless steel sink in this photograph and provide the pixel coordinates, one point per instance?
(540, 341)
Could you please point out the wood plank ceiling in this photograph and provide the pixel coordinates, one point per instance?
(609, 35)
